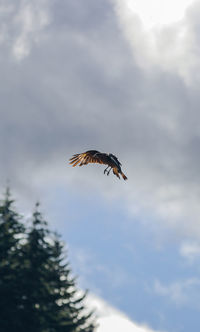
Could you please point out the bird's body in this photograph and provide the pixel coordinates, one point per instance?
(93, 156)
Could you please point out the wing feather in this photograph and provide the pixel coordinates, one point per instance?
(91, 156)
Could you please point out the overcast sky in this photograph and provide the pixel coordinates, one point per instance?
(118, 76)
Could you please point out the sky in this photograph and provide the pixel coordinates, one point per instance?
(119, 76)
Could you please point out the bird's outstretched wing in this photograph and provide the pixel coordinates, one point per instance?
(91, 156)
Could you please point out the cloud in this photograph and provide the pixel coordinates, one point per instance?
(190, 251)
(181, 293)
(29, 20)
(22, 25)
(111, 319)
(166, 40)
(79, 86)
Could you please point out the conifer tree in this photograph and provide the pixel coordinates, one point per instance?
(51, 302)
(11, 233)
(37, 291)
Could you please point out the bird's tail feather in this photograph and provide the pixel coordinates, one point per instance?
(124, 176)
(115, 171)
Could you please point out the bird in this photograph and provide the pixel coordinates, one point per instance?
(93, 156)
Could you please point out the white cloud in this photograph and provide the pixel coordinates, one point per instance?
(190, 251)
(111, 319)
(181, 293)
(156, 12)
(161, 36)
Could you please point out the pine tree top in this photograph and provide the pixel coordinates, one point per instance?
(41, 292)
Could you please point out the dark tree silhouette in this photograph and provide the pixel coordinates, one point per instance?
(36, 285)
(11, 233)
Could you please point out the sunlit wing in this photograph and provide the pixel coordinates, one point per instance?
(91, 156)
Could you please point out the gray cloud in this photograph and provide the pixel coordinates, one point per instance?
(79, 86)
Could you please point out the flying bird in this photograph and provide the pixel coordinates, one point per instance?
(93, 156)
